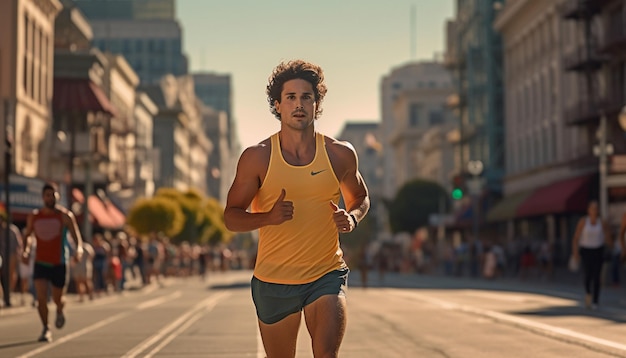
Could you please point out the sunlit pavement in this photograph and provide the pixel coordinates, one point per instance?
(403, 315)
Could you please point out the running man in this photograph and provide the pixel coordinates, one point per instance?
(49, 225)
(293, 181)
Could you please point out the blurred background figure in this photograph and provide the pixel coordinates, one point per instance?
(102, 251)
(82, 273)
(14, 240)
(590, 241)
(26, 266)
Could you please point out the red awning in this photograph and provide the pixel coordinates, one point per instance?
(98, 212)
(118, 218)
(567, 196)
(79, 95)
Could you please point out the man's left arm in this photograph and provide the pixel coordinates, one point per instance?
(72, 226)
(353, 188)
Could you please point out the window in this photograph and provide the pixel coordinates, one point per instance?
(414, 114)
(26, 141)
(435, 117)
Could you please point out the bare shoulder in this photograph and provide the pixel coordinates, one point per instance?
(338, 148)
(342, 156)
(256, 156)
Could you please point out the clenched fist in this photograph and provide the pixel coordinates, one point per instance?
(282, 210)
(342, 219)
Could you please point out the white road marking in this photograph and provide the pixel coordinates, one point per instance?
(100, 324)
(553, 331)
(172, 326)
(159, 300)
(75, 335)
(207, 308)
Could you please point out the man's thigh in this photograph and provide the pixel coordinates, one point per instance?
(326, 322)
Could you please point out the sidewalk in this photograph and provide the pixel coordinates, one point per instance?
(562, 283)
(132, 285)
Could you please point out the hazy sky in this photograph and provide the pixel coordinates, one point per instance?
(356, 42)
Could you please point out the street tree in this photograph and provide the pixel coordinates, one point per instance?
(203, 217)
(414, 203)
(154, 215)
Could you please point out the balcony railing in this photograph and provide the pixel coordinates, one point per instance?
(581, 9)
(587, 110)
(614, 41)
(581, 60)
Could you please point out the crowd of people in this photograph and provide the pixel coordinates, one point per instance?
(49, 258)
(117, 262)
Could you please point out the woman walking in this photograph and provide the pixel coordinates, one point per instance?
(590, 241)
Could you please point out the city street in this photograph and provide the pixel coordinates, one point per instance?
(411, 316)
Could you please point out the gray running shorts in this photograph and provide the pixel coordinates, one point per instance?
(274, 301)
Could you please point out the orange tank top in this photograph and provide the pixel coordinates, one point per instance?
(305, 248)
(50, 235)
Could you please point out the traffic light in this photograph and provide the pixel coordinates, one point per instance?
(458, 187)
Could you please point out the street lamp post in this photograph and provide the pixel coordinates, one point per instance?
(6, 274)
(602, 150)
(475, 168)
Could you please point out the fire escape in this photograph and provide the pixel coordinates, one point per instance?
(586, 60)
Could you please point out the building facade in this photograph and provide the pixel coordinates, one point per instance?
(413, 98)
(473, 55)
(183, 148)
(146, 33)
(128, 9)
(26, 70)
(562, 79)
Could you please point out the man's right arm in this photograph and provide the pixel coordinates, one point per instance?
(28, 231)
(579, 230)
(245, 186)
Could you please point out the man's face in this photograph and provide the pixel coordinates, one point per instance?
(49, 198)
(297, 105)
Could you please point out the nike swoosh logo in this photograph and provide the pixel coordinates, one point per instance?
(315, 173)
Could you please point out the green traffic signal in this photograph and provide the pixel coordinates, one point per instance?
(457, 194)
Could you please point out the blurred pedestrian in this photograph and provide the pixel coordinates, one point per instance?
(49, 225)
(82, 273)
(15, 245)
(293, 182)
(26, 267)
(588, 246)
(102, 253)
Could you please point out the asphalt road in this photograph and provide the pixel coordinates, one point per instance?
(403, 316)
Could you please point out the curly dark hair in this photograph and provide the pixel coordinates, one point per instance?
(294, 69)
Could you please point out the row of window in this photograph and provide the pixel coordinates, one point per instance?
(129, 46)
(36, 73)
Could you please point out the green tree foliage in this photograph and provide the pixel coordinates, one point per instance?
(203, 217)
(155, 215)
(215, 230)
(414, 203)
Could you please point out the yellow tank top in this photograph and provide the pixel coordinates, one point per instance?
(305, 248)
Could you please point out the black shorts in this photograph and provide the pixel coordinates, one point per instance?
(58, 275)
(274, 302)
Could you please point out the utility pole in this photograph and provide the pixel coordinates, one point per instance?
(8, 149)
(602, 151)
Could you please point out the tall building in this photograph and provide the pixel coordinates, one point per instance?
(128, 9)
(145, 32)
(474, 56)
(549, 169)
(182, 149)
(215, 91)
(413, 101)
(26, 86)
